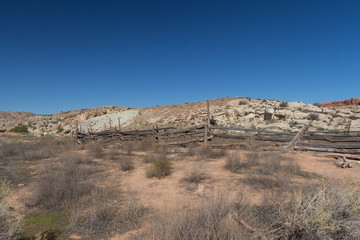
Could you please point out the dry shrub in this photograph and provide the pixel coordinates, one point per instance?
(160, 149)
(272, 170)
(130, 216)
(126, 164)
(276, 163)
(129, 146)
(194, 174)
(147, 144)
(268, 182)
(215, 218)
(160, 168)
(113, 154)
(9, 227)
(95, 149)
(235, 163)
(204, 153)
(99, 215)
(321, 211)
(191, 150)
(61, 183)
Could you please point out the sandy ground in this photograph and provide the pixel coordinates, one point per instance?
(172, 192)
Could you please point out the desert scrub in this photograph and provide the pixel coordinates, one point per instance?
(160, 168)
(284, 104)
(9, 227)
(323, 211)
(20, 129)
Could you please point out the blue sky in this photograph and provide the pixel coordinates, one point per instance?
(63, 55)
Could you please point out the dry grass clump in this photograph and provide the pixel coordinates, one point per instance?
(130, 216)
(95, 149)
(321, 211)
(273, 163)
(129, 146)
(113, 153)
(205, 153)
(191, 150)
(235, 163)
(194, 174)
(160, 149)
(215, 218)
(147, 144)
(60, 183)
(268, 170)
(103, 217)
(160, 168)
(126, 164)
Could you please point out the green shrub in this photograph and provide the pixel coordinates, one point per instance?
(20, 129)
(59, 130)
(160, 168)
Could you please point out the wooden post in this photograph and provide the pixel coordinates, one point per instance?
(119, 124)
(293, 142)
(77, 129)
(207, 123)
(154, 135)
(349, 126)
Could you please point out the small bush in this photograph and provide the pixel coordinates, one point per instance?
(317, 104)
(126, 164)
(191, 150)
(130, 217)
(160, 168)
(215, 218)
(321, 211)
(20, 129)
(284, 104)
(209, 152)
(129, 146)
(113, 154)
(236, 163)
(313, 116)
(95, 149)
(60, 183)
(194, 175)
(59, 130)
(147, 144)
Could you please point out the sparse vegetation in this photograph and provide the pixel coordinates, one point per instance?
(194, 174)
(58, 184)
(160, 168)
(284, 104)
(313, 116)
(20, 129)
(126, 164)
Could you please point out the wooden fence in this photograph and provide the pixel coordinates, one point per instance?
(344, 143)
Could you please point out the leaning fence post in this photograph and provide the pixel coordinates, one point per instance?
(293, 142)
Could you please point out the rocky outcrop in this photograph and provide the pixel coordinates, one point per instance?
(241, 112)
(352, 102)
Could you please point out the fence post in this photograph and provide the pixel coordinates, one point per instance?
(293, 142)
(207, 123)
(155, 134)
(349, 126)
(119, 124)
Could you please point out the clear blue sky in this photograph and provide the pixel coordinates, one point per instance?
(62, 55)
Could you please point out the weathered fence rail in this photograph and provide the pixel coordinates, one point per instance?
(331, 142)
